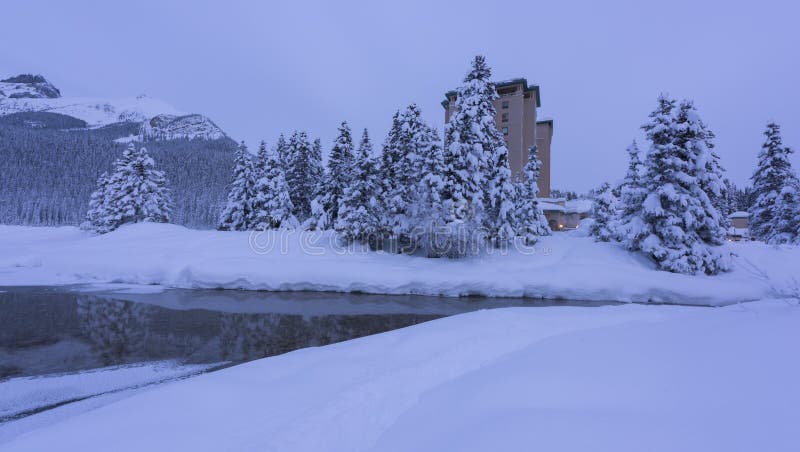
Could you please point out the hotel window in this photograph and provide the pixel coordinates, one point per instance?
(505, 117)
(505, 130)
(505, 104)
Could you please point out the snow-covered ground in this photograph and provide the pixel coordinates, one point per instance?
(20, 395)
(612, 378)
(564, 265)
(64, 395)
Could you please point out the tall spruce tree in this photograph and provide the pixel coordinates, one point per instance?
(299, 170)
(134, 192)
(238, 212)
(316, 169)
(774, 215)
(358, 212)
(340, 172)
(676, 211)
(389, 166)
(272, 204)
(499, 195)
(282, 149)
(630, 229)
(427, 211)
(98, 218)
(471, 138)
(409, 143)
(693, 136)
(530, 220)
(604, 212)
(261, 189)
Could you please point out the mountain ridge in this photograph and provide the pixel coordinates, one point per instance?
(160, 120)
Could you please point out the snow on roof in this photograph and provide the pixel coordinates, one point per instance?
(739, 214)
(553, 200)
(550, 207)
(580, 205)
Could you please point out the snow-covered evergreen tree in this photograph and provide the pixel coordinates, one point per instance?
(299, 170)
(98, 217)
(427, 211)
(676, 212)
(471, 138)
(134, 192)
(728, 202)
(775, 214)
(272, 205)
(282, 149)
(696, 139)
(358, 213)
(238, 213)
(499, 196)
(630, 229)
(604, 213)
(316, 170)
(530, 220)
(318, 219)
(340, 172)
(409, 143)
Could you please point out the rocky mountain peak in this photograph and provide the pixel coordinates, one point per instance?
(28, 86)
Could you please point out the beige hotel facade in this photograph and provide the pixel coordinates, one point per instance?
(517, 120)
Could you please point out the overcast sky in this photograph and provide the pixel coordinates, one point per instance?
(262, 68)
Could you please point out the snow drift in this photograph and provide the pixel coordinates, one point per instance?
(564, 266)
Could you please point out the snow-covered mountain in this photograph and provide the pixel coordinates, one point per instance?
(171, 127)
(27, 86)
(161, 121)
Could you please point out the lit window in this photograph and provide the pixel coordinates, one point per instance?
(505, 117)
(505, 104)
(505, 130)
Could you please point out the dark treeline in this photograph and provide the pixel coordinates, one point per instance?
(47, 174)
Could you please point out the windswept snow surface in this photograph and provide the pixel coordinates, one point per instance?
(612, 378)
(564, 265)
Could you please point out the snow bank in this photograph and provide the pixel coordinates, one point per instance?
(613, 378)
(562, 266)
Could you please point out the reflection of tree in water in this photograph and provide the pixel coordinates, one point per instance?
(116, 329)
(251, 336)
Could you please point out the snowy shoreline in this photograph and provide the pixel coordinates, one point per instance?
(627, 377)
(566, 266)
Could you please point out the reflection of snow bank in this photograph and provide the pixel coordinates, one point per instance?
(563, 266)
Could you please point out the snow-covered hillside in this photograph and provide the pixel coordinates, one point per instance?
(560, 266)
(160, 120)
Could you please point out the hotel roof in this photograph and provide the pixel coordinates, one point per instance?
(516, 81)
